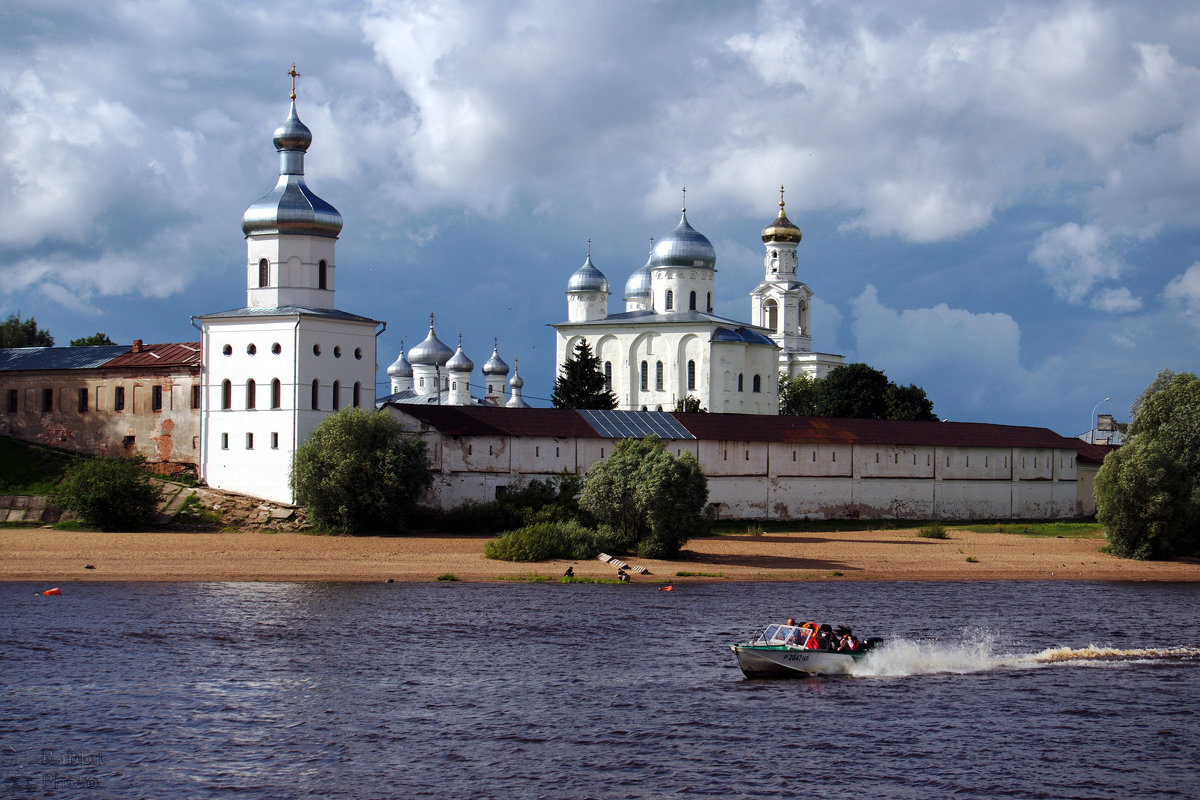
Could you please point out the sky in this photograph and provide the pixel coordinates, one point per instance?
(1000, 201)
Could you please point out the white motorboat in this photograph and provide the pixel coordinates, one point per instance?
(799, 650)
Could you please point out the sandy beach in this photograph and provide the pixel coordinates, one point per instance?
(51, 556)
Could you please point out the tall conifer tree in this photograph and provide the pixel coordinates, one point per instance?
(581, 382)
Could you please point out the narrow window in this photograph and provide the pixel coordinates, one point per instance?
(156, 398)
(670, 300)
(470, 449)
(966, 461)
(227, 395)
(337, 395)
(692, 301)
(608, 376)
(747, 455)
(422, 383)
(793, 455)
(316, 395)
(224, 441)
(725, 454)
(195, 395)
(264, 273)
(490, 453)
(274, 441)
(83, 401)
(758, 383)
(835, 456)
(556, 452)
(658, 376)
(691, 375)
(537, 451)
(47, 400)
(357, 393)
(12, 401)
(322, 275)
(814, 456)
(251, 394)
(276, 394)
(119, 399)
(249, 441)
(740, 381)
(645, 376)
(877, 458)
(709, 301)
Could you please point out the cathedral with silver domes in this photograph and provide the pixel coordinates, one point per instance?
(668, 344)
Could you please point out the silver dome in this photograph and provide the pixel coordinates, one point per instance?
(684, 247)
(459, 361)
(495, 365)
(400, 368)
(430, 353)
(291, 207)
(517, 382)
(638, 285)
(588, 279)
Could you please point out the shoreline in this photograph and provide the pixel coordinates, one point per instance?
(52, 556)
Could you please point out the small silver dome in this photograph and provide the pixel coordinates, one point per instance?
(638, 285)
(459, 361)
(432, 352)
(291, 207)
(684, 247)
(495, 365)
(588, 279)
(400, 368)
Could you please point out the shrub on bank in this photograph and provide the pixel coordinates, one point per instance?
(109, 493)
(543, 541)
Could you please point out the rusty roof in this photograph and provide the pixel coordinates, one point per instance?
(1094, 453)
(492, 421)
(158, 356)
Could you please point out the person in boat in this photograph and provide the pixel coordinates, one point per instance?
(825, 640)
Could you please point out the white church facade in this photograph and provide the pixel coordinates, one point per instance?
(668, 345)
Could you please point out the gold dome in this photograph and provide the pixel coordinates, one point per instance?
(782, 229)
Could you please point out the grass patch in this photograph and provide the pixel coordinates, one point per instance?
(193, 512)
(71, 525)
(754, 530)
(26, 469)
(835, 574)
(699, 574)
(972, 560)
(447, 576)
(933, 532)
(1042, 530)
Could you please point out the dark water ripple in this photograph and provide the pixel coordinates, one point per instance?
(398, 690)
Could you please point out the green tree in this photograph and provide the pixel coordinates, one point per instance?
(1148, 491)
(800, 396)
(689, 404)
(652, 501)
(581, 383)
(856, 391)
(17, 332)
(109, 493)
(96, 338)
(359, 473)
(907, 402)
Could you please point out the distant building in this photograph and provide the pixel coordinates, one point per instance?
(1107, 431)
(106, 400)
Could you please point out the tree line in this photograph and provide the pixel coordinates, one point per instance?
(18, 332)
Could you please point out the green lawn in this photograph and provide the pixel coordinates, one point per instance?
(26, 469)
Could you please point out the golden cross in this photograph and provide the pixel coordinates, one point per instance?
(781, 195)
(589, 247)
(294, 75)
(685, 198)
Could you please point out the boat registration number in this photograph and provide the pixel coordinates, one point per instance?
(796, 657)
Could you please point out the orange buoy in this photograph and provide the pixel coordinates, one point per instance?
(52, 592)
(667, 589)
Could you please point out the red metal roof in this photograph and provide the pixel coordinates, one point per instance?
(496, 421)
(1093, 453)
(159, 356)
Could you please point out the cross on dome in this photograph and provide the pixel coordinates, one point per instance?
(294, 75)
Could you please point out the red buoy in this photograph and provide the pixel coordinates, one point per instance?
(52, 592)
(667, 589)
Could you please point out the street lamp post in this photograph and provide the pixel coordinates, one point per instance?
(1092, 421)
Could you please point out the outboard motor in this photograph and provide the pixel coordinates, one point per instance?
(871, 642)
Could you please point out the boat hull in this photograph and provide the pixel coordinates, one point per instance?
(766, 661)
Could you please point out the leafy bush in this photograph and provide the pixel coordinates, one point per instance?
(933, 532)
(551, 500)
(109, 493)
(475, 517)
(359, 473)
(544, 541)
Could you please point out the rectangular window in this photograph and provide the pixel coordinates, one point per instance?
(47, 400)
(12, 401)
(83, 401)
(156, 398)
(249, 441)
(224, 441)
(195, 396)
(556, 452)
(537, 451)
(274, 441)
(119, 398)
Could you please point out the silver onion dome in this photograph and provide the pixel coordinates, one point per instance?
(432, 352)
(495, 365)
(291, 207)
(684, 247)
(638, 285)
(588, 279)
(517, 382)
(400, 368)
(459, 361)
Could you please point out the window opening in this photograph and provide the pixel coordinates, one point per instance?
(156, 398)
(658, 376)
(47, 400)
(692, 301)
(251, 394)
(119, 399)
(758, 383)
(691, 378)
(276, 394)
(322, 274)
(264, 273)
(226, 395)
(316, 395)
(645, 376)
(337, 395)
(83, 401)
(670, 299)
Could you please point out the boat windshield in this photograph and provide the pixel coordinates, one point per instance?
(786, 634)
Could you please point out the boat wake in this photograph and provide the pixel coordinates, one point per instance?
(981, 652)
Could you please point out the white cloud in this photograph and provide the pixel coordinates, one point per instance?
(1116, 300)
(1074, 258)
(1183, 291)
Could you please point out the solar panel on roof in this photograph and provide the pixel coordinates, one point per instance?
(634, 424)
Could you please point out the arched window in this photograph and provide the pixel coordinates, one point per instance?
(658, 376)
(740, 382)
(645, 376)
(322, 275)
(691, 375)
(608, 376)
(757, 383)
(670, 300)
(276, 393)
(771, 315)
(316, 395)
(357, 393)
(251, 394)
(692, 301)
(708, 301)
(264, 273)
(227, 395)
(337, 395)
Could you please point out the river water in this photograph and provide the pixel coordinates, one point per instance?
(282, 690)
